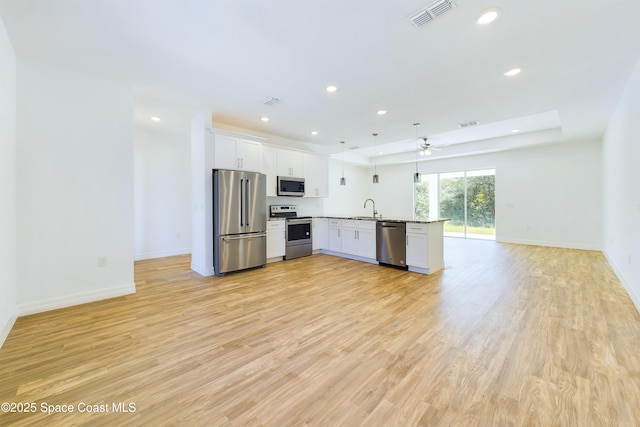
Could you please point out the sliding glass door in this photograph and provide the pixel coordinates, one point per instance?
(481, 204)
(452, 205)
(467, 198)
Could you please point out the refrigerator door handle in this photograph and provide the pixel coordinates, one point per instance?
(241, 203)
(244, 236)
(247, 199)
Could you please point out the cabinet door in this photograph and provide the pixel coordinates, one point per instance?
(350, 240)
(290, 163)
(367, 242)
(320, 235)
(335, 235)
(322, 176)
(250, 155)
(275, 238)
(310, 185)
(417, 250)
(225, 152)
(275, 243)
(270, 168)
(316, 170)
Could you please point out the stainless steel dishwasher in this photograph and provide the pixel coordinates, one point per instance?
(391, 243)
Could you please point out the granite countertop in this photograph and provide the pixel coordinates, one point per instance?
(368, 218)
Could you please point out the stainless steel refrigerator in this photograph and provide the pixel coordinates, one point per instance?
(239, 220)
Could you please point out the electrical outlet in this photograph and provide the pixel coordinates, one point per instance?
(177, 235)
(102, 261)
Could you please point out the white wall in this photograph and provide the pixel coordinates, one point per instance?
(201, 188)
(74, 188)
(8, 310)
(162, 194)
(548, 195)
(621, 182)
(347, 199)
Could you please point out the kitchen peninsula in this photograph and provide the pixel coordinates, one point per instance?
(355, 238)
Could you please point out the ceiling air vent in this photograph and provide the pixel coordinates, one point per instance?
(431, 12)
(271, 101)
(467, 124)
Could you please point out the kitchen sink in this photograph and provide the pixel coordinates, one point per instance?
(378, 218)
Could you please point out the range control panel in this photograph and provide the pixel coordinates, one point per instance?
(283, 211)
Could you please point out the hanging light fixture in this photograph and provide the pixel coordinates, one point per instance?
(375, 153)
(416, 175)
(343, 180)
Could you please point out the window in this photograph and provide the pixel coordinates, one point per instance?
(467, 198)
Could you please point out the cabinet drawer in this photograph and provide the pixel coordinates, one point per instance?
(366, 225)
(350, 223)
(413, 227)
(275, 225)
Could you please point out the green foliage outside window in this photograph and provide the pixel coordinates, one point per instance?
(480, 201)
(422, 201)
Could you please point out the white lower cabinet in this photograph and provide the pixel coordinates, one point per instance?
(424, 247)
(320, 233)
(275, 240)
(335, 235)
(417, 248)
(359, 238)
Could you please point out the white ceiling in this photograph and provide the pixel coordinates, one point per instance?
(228, 56)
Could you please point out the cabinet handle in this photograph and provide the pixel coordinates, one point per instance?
(338, 232)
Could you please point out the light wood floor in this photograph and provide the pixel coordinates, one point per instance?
(506, 335)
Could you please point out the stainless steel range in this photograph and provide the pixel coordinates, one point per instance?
(297, 231)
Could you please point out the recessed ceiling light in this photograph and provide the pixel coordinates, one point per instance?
(314, 132)
(382, 112)
(331, 89)
(155, 119)
(515, 130)
(264, 119)
(512, 72)
(488, 16)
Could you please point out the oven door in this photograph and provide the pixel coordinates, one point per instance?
(298, 232)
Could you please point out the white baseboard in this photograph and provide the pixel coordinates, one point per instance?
(75, 299)
(566, 245)
(4, 333)
(201, 270)
(635, 298)
(161, 254)
(349, 256)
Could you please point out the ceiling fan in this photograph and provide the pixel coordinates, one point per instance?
(426, 148)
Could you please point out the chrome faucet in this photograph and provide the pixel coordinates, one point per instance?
(375, 212)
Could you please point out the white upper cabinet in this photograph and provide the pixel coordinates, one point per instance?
(270, 168)
(316, 175)
(290, 163)
(231, 152)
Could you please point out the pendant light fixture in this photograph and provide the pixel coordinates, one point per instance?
(416, 175)
(375, 153)
(343, 180)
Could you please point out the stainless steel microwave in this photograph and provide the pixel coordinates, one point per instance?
(290, 186)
